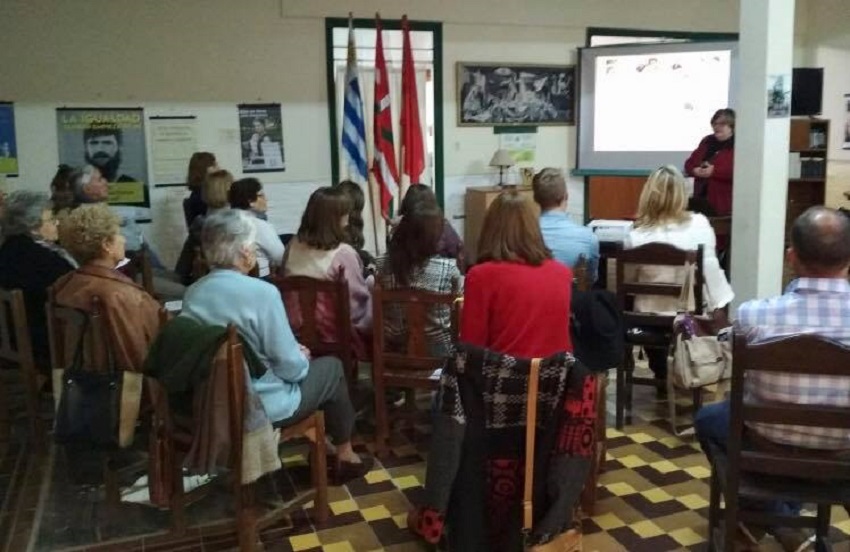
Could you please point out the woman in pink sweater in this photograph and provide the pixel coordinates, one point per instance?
(319, 251)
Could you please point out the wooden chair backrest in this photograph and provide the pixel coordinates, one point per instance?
(415, 305)
(807, 355)
(581, 276)
(200, 268)
(15, 343)
(66, 325)
(659, 254)
(308, 291)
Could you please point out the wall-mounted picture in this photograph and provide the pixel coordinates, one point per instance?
(491, 94)
(8, 142)
(262, 138)
(846, 143)
(113, 141)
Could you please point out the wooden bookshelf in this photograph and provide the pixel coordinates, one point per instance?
(807, 170)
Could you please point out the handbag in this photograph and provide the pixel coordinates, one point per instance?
(699, 357)
(566, 541)
(89, 410)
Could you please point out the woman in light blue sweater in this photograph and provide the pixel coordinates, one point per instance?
(294, 386)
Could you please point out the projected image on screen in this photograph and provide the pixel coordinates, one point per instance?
(638, 92)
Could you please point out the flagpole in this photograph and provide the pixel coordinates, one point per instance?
(372, 210)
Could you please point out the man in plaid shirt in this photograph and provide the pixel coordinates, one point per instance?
(817, 302)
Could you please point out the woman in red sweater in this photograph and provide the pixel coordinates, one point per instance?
(713, 163)
(517, 299)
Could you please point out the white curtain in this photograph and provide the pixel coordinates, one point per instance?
(374, 229)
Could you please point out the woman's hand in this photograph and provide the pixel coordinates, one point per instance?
(304, 351)
(704, 171)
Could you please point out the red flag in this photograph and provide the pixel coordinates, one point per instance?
(383, 162)
(412, 149)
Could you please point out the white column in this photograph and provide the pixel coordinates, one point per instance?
(761, 150)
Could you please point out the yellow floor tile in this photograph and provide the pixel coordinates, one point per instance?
(377, 476)
(608, 521)
(378, 512)
(699, 472)
(343, 506)
(620, 489)
(664, 466)
(406, 482)
(686, 536)
(646, 529)
(657, 495)
(632, 461)
(304, 542)
(641, 437)
(693, 501)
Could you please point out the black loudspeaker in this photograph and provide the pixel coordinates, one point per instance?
(807, 91)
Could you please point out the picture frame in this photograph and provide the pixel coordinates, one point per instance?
(515, 94)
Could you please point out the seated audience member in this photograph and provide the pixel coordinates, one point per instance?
(412, 262)
(92, 235)
(517, 298)
(319, 251)
(354, 228)
(662, 218)
(90, 187)
(294, 386)
(31, 261)
(566, 239)
(214, 193)
(62, 189)
(450, 246)
(247, 194)
(200, 165)
(817, 302)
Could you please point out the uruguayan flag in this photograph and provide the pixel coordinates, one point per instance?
(353, 128)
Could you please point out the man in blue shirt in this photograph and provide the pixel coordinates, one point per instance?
(565, 238)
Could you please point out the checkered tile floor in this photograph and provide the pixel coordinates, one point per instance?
(653, 497)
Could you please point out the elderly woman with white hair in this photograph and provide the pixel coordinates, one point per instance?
(294, 386)
(31, 261)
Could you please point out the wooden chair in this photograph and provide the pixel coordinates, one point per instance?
(66, 326)
(660, 325)
(176, 439)
(308, 292)
(413, 368)
(756, 468)
(16, 348)
(581, 276)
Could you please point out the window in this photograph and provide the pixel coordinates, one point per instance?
(426, 45)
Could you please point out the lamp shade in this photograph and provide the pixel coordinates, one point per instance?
(502, 158)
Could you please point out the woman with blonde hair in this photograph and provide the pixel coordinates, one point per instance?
(517, 299)
(662, 218)
(214, 192)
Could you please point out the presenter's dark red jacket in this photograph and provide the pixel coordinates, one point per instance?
(720, 182)
(518, 309)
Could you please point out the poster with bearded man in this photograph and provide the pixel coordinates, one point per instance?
(112, 141)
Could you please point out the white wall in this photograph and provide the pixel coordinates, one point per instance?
(161, 54)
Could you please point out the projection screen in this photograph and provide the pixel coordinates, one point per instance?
(642, 106)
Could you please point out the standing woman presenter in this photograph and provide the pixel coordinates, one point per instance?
(712, 165)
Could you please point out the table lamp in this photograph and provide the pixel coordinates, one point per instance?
(502, 159)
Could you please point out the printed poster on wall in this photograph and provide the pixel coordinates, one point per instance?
(8, 144)
(846, 144)
(173, 141)
(261, 138)
(113, 140)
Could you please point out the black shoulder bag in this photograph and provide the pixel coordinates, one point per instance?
(89, 410)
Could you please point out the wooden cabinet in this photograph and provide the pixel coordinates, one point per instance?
(478, 199)
(808, 147)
